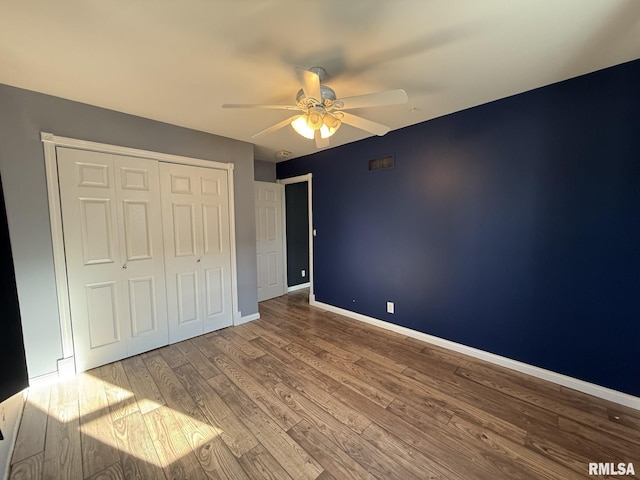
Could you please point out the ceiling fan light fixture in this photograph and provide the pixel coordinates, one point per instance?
(300, 125)
(330, 125)
(314, 118)
(307, 123)
(331, 121)
(326, 132)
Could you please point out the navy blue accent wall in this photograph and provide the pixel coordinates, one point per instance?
(297, 208)
(512, 227)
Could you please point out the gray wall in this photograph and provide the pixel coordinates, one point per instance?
(264, 171)
(23, 115)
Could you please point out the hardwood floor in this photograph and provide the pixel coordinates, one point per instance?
(305, 394)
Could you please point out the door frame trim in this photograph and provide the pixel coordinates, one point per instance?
(50, 143)
(299, 179)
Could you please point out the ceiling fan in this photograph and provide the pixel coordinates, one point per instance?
(322, 112)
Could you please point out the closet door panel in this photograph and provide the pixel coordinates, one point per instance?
(183, 221)
(183, 242)
(143, 306)
(137, 229)
(98, 236)
(216, 255)
(188, 298)
(102, 306)
(112, 223)
(89, 215)
(141, 237)
(215, 290)
(197, 256)
(213, 229)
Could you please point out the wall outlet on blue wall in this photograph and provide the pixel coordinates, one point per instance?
(391, 307)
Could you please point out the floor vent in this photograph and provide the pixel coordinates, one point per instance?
(381, 163)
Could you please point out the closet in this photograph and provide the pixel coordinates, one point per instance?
(147, 251)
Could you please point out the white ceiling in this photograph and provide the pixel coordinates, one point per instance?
(178, 61)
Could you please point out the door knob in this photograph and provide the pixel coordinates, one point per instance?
(124, 267)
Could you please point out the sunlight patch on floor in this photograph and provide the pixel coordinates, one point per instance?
(144, 428)
(162, 442)
(161, 436)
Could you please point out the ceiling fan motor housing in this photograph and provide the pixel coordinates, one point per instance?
(326, 93)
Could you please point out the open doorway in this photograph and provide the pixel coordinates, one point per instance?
(299, 232)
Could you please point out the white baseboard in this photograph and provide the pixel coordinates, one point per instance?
(248, 318)
(557, 378)
(12, 409)
(42, 380)
(298, 287)
(66, 367)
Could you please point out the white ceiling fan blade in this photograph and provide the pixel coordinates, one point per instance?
(380, 99)
(364, 124)
(320, 142)
(275, 127)
(259, 105)
(310, 83)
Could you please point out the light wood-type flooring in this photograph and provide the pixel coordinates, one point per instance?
(305, 394)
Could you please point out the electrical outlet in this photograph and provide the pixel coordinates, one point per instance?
(390, 307)
(304, 273)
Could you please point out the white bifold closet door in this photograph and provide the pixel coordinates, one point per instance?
(112, 227)
(195, 208)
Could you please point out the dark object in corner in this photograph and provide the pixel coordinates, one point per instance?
(13, 365)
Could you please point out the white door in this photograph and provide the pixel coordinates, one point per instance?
(142, 251)
(195, 207)
(270, 240)
(114, 255)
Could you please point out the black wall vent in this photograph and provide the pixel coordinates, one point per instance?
(381, 163)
